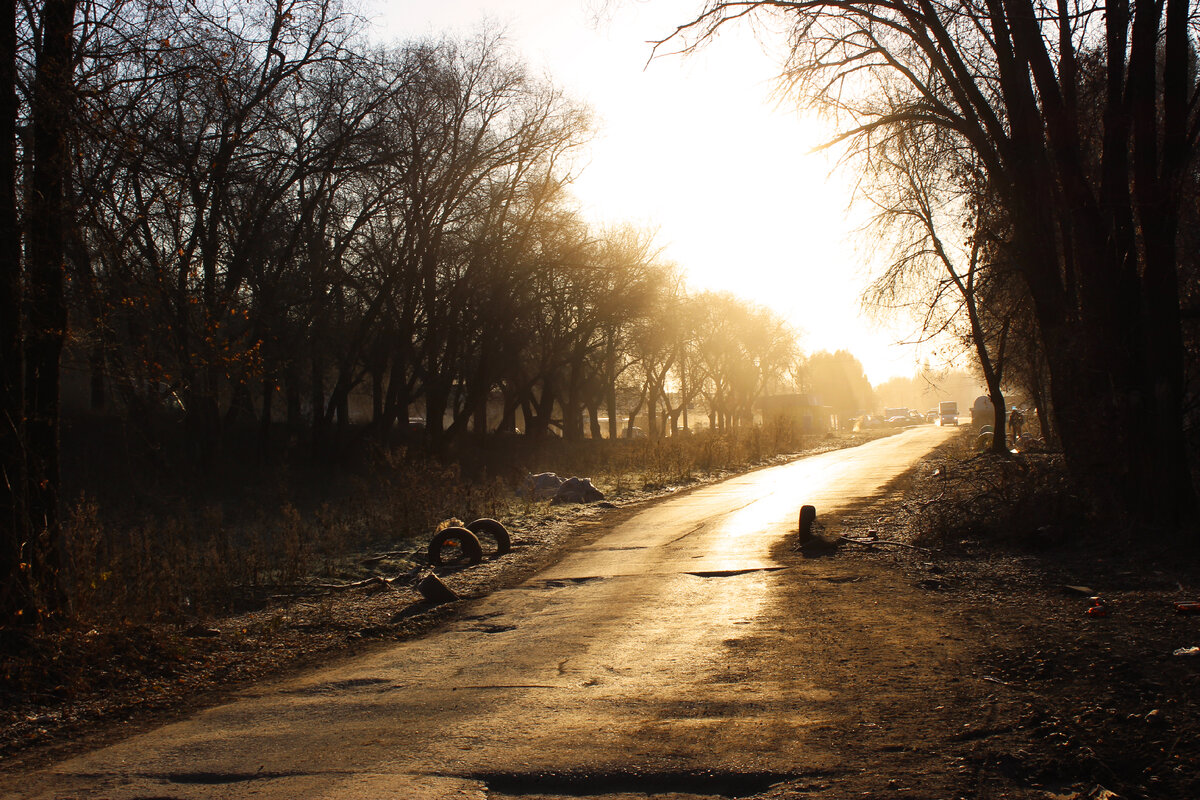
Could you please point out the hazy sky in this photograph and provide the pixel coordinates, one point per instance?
(695, 148)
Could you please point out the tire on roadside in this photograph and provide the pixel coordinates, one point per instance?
(452, 546)
(808, 515)
(494, 529)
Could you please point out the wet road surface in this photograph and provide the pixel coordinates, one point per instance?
(659, 658)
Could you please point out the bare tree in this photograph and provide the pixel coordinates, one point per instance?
(1095, 219)
(16, 600)
(839, 381)
(924, 190)
(35, 308)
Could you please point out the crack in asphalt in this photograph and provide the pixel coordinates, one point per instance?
(484, 687)
(221, 778)
(693, 531)
(709, 522)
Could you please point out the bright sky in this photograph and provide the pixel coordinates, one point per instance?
(695, 148)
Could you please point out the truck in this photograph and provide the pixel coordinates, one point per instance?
(948, 412)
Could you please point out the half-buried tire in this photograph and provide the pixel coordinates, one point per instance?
(495, 530)
(454, 547)
(808, 515)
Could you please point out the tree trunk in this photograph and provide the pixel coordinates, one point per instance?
(573, 407)
(377, 397)
(264, 420)
(610, 401)
(47, 321)
(320, 424)
(512, 401)
(633, 412)
(17, 604)
(437, 399)
(97, 379)
(293, 397)
(652, 413)
(594, 421)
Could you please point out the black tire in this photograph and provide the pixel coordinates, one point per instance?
(494, 529)
(808, 515)
(463, 546)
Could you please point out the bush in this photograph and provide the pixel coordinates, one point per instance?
(1025, 499)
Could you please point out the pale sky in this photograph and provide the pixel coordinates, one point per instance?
(695, 148)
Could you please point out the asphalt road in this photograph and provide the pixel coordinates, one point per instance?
(653, 660)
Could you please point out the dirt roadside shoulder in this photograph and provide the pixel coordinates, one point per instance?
(972, 669)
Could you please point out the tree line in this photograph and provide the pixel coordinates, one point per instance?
(1039, 159)
(235, 216)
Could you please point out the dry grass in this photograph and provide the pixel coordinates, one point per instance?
(201, 551)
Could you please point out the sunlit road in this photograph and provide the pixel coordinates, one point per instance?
(634, 663)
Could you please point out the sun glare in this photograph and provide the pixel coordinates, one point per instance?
(696, 148)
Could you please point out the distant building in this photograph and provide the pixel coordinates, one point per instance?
(803, 410)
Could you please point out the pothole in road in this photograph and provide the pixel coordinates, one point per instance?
(729, 573)
(698, 783)
(559, 583)
(221, 778)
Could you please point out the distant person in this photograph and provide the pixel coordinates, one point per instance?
(1016, 420)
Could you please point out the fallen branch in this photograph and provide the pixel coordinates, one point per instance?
(380, 580)
(375, 559)
(924, 504)
(338, 587)
(870, 542)
(309, 589)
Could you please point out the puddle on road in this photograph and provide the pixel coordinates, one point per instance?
(559, 583)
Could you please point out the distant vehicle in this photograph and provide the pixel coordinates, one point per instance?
(931, 416)
(948, 413)
(865, 422)
(916, 417)
(983, 412)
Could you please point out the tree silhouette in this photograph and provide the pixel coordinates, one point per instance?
(1094, 210)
